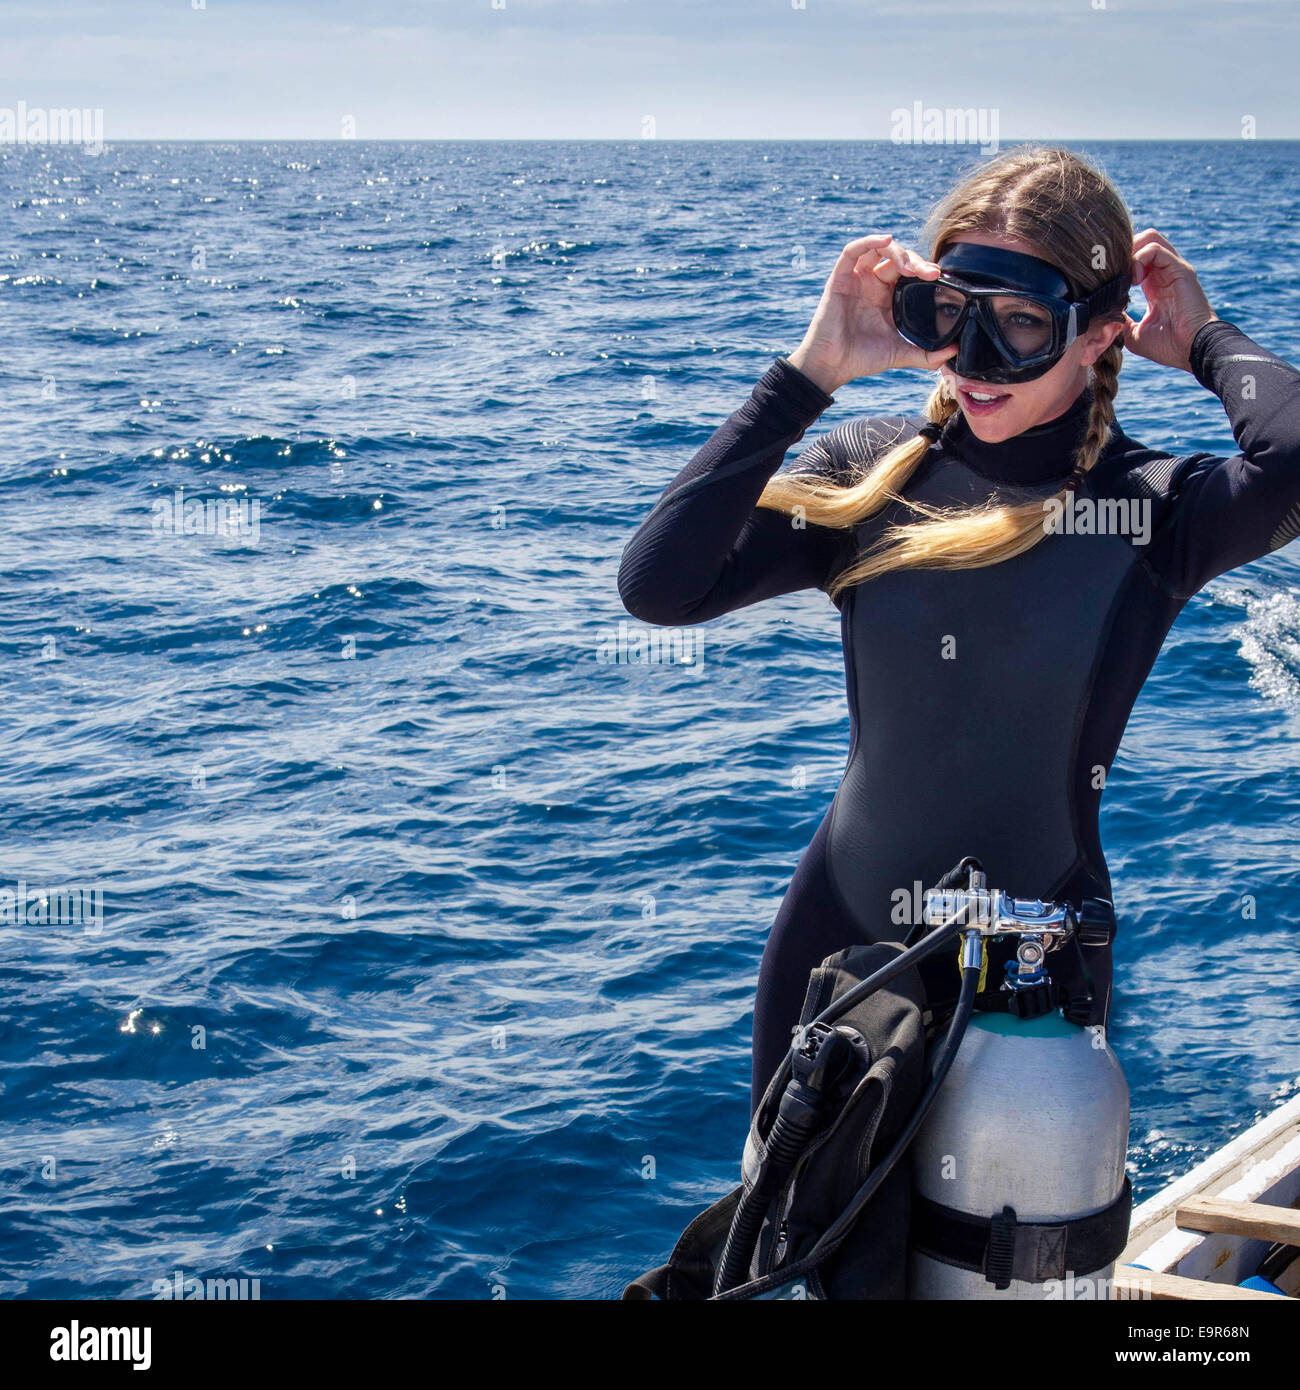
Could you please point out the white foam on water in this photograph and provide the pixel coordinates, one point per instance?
(1269, 639)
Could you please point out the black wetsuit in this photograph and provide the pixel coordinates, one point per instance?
(985, 705)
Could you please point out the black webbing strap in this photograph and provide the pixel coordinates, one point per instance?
(1003, 1248)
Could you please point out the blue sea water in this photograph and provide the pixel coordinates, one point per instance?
(429, 938)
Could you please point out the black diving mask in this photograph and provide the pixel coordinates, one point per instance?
(1011, 315)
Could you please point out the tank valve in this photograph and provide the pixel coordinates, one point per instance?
(1032, 992)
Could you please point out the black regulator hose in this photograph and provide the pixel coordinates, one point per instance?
(818, 1059)
(843, 1224)
(834, 1233)
(956, 877)
(941, 936)
(803, 1108)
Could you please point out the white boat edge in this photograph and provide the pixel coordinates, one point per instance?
(1260, 1165)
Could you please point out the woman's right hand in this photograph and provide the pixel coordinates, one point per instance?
(852, 334)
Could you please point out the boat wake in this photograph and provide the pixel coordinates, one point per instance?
(1269, 639)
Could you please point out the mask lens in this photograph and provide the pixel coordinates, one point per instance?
(927, 313)
(1025, 327)
(948, 306)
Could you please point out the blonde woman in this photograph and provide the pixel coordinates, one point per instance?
(1006, 566)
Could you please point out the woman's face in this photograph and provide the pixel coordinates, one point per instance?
(1019, 406)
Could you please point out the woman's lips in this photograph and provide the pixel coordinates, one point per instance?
(976, 407)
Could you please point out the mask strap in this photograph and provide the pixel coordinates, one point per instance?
(1109, 295)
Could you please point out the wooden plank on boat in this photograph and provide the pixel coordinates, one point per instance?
(1261, 1165)
(1252, 1219)
(1147, 1283)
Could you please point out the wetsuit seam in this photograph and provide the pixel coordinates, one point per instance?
(1005, 493)
(1158, 580)
(1248, 357)
(962, 461)
(1081, 718)
(1080, 861)
(828, 866)
(851, 672)
(842, 556)
(1141, 553)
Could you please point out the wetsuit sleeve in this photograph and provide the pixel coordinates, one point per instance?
(1228, 511)
(706, 548)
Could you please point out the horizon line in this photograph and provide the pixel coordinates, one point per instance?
(643, 140)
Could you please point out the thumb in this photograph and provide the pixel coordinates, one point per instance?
(935, 360)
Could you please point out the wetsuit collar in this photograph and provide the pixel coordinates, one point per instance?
(1039, 455)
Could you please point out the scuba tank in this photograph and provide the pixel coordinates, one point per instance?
(1018, 1172)
(1016, 1136)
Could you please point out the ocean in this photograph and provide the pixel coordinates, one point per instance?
(419, 937)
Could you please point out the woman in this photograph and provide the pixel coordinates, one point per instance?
(1005, 569)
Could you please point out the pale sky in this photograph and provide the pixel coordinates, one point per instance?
(595, 69)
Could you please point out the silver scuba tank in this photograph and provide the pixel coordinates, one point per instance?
(1029, 1132)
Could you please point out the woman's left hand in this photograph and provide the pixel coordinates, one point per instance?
(1176, 304)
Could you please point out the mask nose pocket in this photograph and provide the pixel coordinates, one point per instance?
(976, 355)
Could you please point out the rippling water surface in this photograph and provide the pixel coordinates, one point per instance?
(429, 938)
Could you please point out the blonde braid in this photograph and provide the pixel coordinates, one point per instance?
(1105, 387)
(875, 484)
(973, 537)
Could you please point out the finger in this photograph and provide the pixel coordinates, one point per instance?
(935, 360)
(1133, 336)
(911, 261)
(898, 262)
(1142, 263)
(855, 250)
(890, 269)
(1149, 236)
(1152, 241)
(917, 263)
(1155, 253)
(1158, 268)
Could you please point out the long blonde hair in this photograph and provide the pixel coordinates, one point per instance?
(1072, 216)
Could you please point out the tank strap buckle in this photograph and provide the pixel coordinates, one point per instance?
(1000, 1252)
(1031, 1251)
